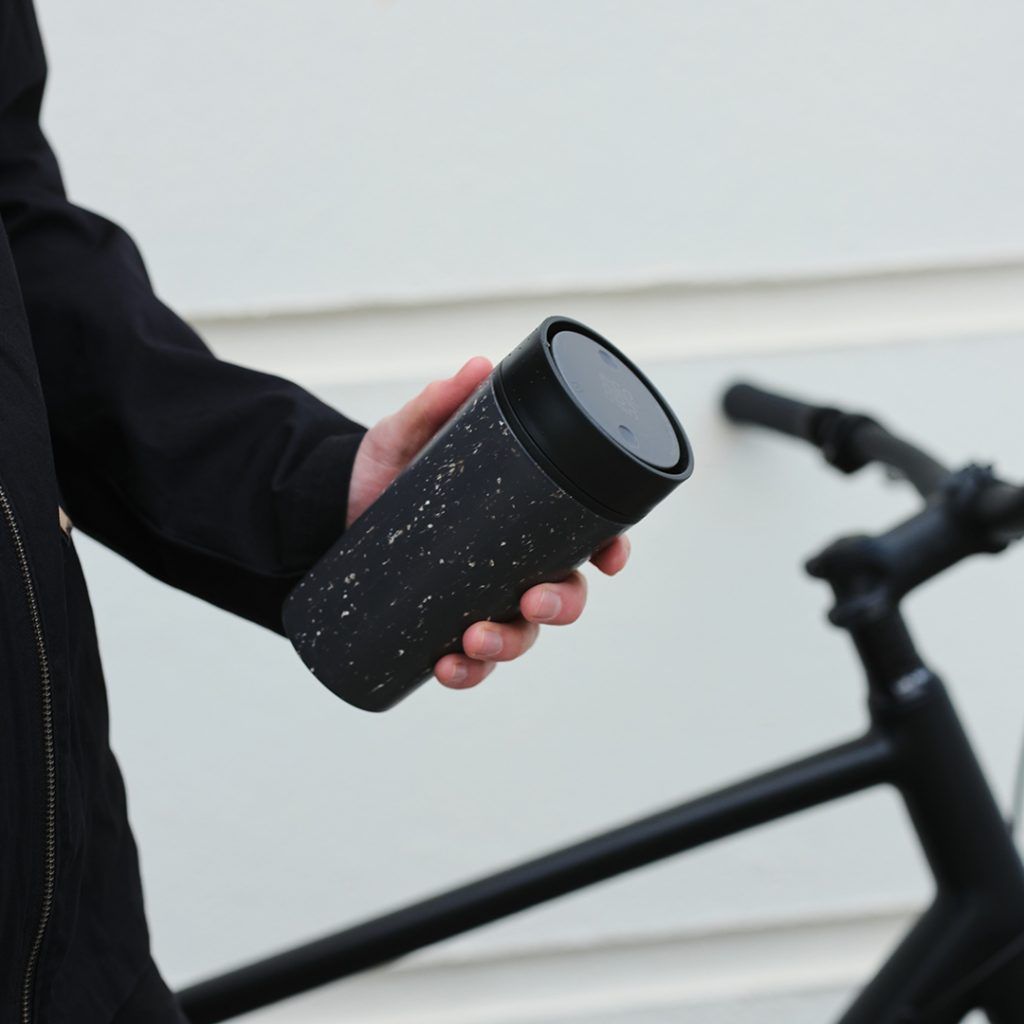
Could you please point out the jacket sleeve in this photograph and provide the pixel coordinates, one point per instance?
(219, 480)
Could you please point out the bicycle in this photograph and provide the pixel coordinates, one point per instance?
(966, 952)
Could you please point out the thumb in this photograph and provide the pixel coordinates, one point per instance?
(390, 445)
(409, 429)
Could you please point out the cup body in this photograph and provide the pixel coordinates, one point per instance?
(458, 537)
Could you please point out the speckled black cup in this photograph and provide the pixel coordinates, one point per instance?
(564, 446)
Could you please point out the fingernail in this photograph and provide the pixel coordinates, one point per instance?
(458, 674)
(549, 605)
(489, 644)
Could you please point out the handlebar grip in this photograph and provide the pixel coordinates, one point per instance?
(744, 403)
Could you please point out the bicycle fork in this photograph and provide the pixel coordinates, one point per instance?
(967, 951)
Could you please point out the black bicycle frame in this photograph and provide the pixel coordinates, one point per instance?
(966, 952)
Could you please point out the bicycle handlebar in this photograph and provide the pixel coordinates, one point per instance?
(850, 441)
(745, 403)
(871, 442)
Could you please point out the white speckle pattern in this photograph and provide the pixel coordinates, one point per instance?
(487, 523)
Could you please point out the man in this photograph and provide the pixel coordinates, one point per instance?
(219, 480)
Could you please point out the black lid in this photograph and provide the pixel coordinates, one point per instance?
(590, 415)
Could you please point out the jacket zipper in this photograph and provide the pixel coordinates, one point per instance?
(46, 693)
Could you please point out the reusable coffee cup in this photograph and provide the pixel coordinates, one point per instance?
(565, 445)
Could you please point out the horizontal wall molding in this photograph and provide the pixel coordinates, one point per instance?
(654, 321)
(757, 966)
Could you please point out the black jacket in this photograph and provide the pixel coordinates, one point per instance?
(219, 480)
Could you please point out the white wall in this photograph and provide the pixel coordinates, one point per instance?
(269, 812)
(309, 154)
(824, 196)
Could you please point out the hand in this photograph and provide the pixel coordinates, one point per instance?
(386, 449)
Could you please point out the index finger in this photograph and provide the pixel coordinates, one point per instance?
(612, 558)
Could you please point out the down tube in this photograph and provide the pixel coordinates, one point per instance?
(816, 780)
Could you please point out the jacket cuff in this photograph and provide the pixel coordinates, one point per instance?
(313, 507)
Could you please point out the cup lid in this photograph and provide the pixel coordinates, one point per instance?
(586, 411)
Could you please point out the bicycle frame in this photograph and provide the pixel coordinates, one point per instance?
(966, 952)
